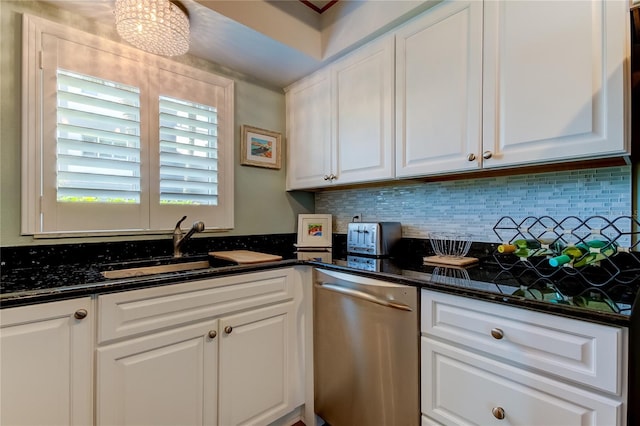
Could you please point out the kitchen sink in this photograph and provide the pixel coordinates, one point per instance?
(161, 266)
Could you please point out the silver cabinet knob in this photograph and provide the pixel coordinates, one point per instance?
(487, 154)
(213, 334)
(498, 412)
(471, 157)
(80, 314)
(228, 329)
(497, 334)
(326, 177)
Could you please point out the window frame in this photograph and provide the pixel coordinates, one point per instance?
(36, 138)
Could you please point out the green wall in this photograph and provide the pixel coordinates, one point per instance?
(262, 206)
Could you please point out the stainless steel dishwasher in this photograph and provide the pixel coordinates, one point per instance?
(366, 351)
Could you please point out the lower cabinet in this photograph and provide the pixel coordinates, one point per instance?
(46, 354)
(166, 378)
(255, 375)
(229, 356)
(485, 363)
(465, 388)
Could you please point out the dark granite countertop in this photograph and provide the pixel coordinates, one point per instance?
(599, 296)
(30, 286)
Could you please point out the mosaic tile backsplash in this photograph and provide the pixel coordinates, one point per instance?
(474, 206)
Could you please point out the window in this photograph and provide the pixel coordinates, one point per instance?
(122, 142)
(188, 153)
(97, 139)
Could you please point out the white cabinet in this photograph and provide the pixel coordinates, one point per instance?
(503, 83)
(309, 145)
(485, 363)
(219, 351)
(439, 90)
(553, 80)
(464, 388)
(167, 378)
(255, 374)
(477, 85)
(362, 95)
(340, 121)
(46, 363)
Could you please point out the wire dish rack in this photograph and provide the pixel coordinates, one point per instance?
(611, 272)
(451, 249)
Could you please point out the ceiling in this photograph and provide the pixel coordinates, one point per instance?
(274, 41)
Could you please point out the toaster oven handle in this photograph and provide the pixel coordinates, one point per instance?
(364, 296)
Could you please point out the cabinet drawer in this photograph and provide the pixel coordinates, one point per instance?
(141, 311)
(463, 388)
(587, 353)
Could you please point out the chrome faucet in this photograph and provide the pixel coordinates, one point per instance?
(179, 240)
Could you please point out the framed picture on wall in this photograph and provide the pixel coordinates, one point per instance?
(314, 230)
(260, 148)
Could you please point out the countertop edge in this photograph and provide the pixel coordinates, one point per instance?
(10, 300)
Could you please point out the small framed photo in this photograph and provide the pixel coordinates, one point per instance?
(314, 230)
(260, 148)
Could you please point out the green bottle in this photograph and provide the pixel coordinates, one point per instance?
(586, 253)
(528, 248)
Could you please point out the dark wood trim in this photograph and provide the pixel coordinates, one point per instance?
(316, 8)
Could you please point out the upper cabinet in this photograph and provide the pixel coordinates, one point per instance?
(340, 121)
(309, 157)
(439, 90)
(490, 84)
(362, 126)
(553, 80)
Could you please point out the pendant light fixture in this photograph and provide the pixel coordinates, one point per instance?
(155, 26)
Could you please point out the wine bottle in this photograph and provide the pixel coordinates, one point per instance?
(586, 253)
(528, 248)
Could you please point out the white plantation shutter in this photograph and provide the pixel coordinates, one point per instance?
(188, 153)
(194, 155)
(118, 141)
(98, 140)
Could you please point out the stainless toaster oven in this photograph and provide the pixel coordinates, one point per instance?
(373, 238)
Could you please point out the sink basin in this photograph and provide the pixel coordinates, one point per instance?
(158, 269)
(160, 266)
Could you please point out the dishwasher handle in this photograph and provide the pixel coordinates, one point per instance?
(364, 296)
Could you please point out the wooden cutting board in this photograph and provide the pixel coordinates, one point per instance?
(245, 256)
(453, 261)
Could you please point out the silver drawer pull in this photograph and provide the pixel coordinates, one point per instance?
(498, 412)
(497, 333)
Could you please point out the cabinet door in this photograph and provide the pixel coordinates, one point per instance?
(256, 359)
(46, 369)
(309, 157)
(459, 388)
(586, 353)
(439, 90)
(167, 378)
(362, 85)
(553, 80)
